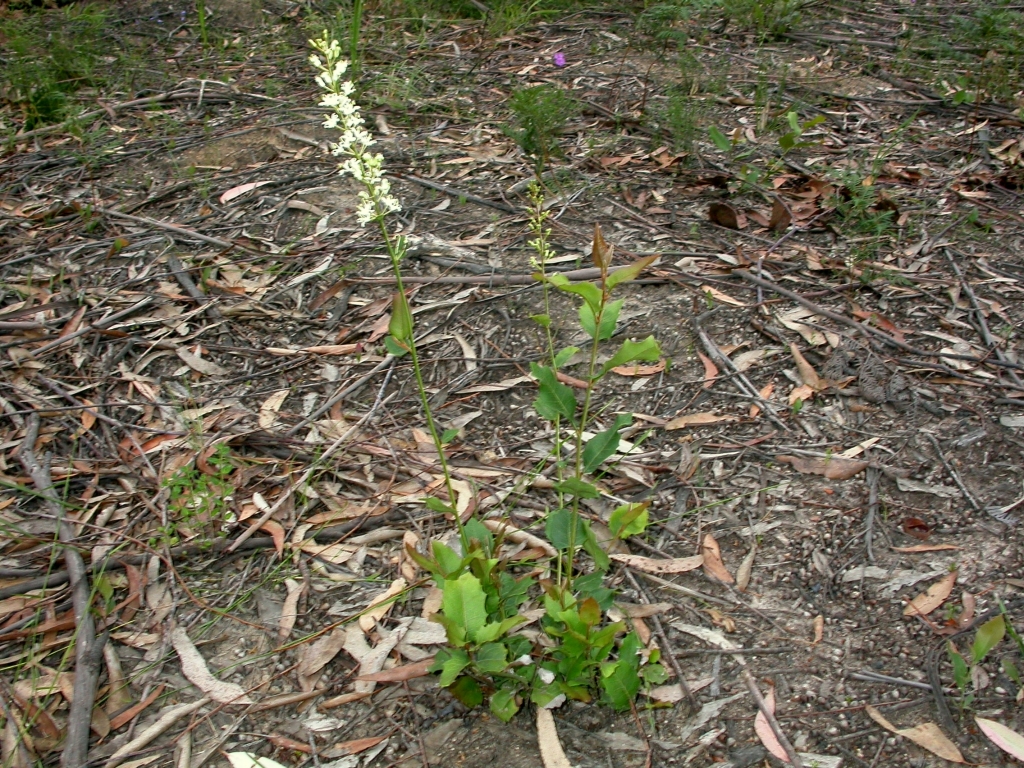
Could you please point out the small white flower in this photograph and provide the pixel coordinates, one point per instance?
(375, 200)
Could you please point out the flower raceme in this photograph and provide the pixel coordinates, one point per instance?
(375, 199)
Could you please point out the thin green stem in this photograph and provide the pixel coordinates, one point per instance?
(353, 38)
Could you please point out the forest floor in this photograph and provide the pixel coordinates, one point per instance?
(191, 316)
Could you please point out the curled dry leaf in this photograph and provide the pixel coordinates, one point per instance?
(925, 548)
(714, 568)
(724, 215)
(926, 735)
(270, 408)
(193, 666)
(316, 655)
(936, 595)
(398, 674)
(650, 565)
(746, 569)
(819, 628)
(519, 537)
(639, 370)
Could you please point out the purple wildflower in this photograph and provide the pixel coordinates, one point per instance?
(559, 59)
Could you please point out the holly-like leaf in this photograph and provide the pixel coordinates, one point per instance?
(491, 658)
(456, 661)
(504, 705)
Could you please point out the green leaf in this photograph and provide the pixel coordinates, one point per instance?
(476, 530)
(544, 321)
(448, 435)
(787, 141)
(457, 661)
(628, 520)
(590, 612)
(619, 679)
(990, 634)
(590, 293)
(604, 444)
(434, 504)
(503, 704)
(554, 399)
(467, 690)
(424, 562)
(654, 674)
(629, 273)
(794, 122)
(720, 139)
(400, 326)
(394, 348)
(594, 548)
(576, 487)
(609, 319)
(449, 561)
(463, 603)
(491, 658)
(543, 695)
(1011, 671)
(961, 673)
(565, 355)
(631, 351)
(559, 529)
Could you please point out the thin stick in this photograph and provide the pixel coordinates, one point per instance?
(76, 744)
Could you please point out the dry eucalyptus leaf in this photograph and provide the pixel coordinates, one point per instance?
(935, 596)
(926, 735)
(383, 603)
(193, 666)
(650, 565)
(714, 568)
(832, 468)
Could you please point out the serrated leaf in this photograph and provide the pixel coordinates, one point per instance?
(564, 356)
(467, 690)
(503, 704)
(604, 444)
(491, 658)
(631, 351)
(457, 661)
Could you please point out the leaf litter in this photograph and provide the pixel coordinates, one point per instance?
(151, 316)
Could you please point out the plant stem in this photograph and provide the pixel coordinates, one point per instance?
(353, 38)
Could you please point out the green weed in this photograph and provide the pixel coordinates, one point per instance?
(200, 501)
(50, 56)
(540, 114)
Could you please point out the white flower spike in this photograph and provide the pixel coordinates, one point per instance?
(375, 199)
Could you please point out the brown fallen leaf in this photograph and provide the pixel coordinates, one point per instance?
(714, 568)
(697, 419)
(355, 746)
(926, 735)
(801, 393)
(639, 370)
(819, 628)
(916, 527)
(724, 215)
(925, 548)
(833, 468)
(764, 730)
(935, 596)
(710, 371)
(807, 373)
(650, 565)
(781, 216)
